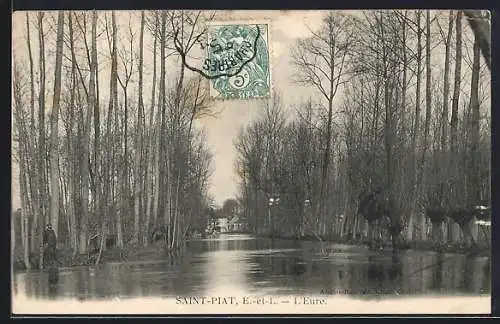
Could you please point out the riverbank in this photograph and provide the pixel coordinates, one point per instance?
(482, 248)
(67, 258)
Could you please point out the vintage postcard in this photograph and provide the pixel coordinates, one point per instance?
(251, 162)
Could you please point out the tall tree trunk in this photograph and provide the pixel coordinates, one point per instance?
(54, 135)
(23, 154)
(453, 229)
(138, 138)
(70, 187)
(163, 167)
(24, 228)
(150, 154)
(326, 157)
(125, 192)
(428, 111)
(13, 239)
(125, 205)
(41, 134)
(85, 165)
(444, 117)
(23, 186)
(176, 223)
(108, 161)
(456, 90)
(72, 150)
(428, 97)
(475, 168)
(334, 82)
(389, 124)
(35, 198)
(176, 231)
(416, 122)
(124, 195)
(93, 105)
(159, 156)
(98, 208)
(409, 232)
(446, 87)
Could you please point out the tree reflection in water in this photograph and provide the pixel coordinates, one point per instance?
(269, 266)
(437, 273)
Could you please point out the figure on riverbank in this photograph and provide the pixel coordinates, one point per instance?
(159, 234)
(50, 245)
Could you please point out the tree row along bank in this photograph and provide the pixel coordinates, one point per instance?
(404, 108)
(106, 171)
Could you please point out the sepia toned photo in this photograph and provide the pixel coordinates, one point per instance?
(251, 162)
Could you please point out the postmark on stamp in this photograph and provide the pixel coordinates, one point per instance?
(237, 61)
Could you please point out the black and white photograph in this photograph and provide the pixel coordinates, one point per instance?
(251, 162)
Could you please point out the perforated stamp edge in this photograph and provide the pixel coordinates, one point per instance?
(231, 20)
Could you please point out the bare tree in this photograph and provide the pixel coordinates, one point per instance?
(456, 91)
(88, 189)
(446, 87)
(54, 136)
(428, 114)
(321, 61)
(127, 59)
(71, 150)
(35, 186)
(114, 93)
(475, 169)
(139, 135)
(23, 153)
(85, 166)
(150, 154)
(94, 68)
(41, 131)
(454, 116)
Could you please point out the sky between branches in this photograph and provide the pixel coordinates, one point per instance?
(285, 28)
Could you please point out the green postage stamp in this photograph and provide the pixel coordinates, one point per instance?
(237, 61)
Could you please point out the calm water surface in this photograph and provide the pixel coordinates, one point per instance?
(242, 264)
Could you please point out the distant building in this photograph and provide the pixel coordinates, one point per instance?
(238, 224)
(222, 224)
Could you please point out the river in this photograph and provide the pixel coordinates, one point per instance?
(245, 265)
